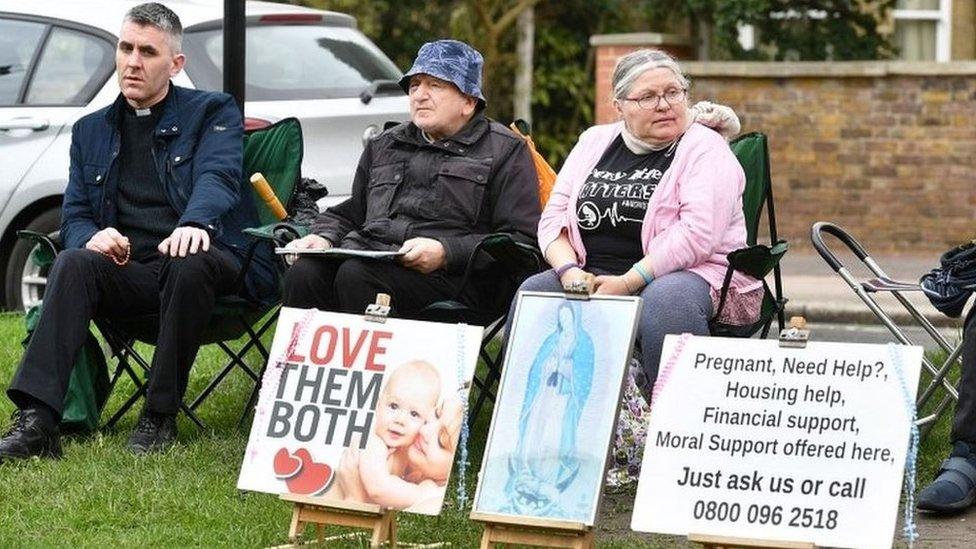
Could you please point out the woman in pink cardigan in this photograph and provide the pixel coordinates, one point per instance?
(651, 205)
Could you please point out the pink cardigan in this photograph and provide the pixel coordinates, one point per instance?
(694, 218)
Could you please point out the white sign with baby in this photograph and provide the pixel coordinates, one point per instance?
(359, 411)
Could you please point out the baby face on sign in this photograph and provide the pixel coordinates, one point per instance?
(408, 400)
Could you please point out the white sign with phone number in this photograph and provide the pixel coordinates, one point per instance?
(751, 440)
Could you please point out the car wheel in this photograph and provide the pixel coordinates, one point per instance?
(24, 279)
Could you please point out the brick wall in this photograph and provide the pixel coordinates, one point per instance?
(885, 150)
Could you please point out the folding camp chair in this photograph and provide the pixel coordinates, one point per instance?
(864, 289)
(756, 260)
(276, 151)
(512, 263)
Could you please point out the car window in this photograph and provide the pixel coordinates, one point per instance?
(18, 42)
(293, 62)
(71, 68)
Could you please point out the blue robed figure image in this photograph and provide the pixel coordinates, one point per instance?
(558, 386)
(547, 451)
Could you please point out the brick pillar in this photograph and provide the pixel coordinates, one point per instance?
(610, 47)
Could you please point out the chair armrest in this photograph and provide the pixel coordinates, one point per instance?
(279, 233)
(513, 256)
(48, 245)
(757, 261)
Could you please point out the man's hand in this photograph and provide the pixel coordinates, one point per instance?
(423, 254)
(185, 240)
(108, 241)
(307, 242)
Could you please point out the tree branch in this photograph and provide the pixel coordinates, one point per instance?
(509, 16)
(482, 11)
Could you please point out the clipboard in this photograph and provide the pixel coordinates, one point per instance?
(341, 253)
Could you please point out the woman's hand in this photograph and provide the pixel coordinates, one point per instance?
(576, 275)
(611, 285)
(628, 283)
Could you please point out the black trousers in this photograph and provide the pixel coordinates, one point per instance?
(83, 285)
(964, 423)
(349, 286)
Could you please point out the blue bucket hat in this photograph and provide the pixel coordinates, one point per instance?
(450, 60)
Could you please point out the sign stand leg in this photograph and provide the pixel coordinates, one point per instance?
(320, 512)
(533, 531)
(499, 535)
(726, 542)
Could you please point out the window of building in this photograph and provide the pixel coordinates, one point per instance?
(922, 29)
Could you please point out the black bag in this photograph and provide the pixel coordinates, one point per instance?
(303, 207)
(949, 286)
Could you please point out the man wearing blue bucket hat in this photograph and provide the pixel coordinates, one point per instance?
(431, 188)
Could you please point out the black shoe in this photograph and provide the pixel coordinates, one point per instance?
(30, 436)
(154, 433)
(954, 489)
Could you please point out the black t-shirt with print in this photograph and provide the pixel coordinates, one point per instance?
(611, 206)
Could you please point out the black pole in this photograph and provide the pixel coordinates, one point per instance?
(234, 50)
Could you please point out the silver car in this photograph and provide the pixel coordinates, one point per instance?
(57, 64)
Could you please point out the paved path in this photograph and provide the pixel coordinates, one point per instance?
(957, 532)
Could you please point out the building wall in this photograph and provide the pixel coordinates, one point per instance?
(963, 29)
(886, 150)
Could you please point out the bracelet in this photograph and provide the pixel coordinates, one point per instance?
(561, 270)
(643, 272)
(120, 261)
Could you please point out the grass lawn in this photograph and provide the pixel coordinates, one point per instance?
(99, 495)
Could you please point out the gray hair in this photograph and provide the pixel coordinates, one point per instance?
(634, 64)
(157, 15)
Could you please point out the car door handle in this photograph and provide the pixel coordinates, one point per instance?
(35, 124)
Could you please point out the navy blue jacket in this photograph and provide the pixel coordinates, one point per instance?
(198, 151)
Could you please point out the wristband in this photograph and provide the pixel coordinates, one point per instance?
(561, 270)
(643, 272)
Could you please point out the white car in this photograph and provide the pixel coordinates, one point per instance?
(57, 64)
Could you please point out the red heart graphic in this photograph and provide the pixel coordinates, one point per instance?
(286, 466)
(303, 455)
(313, 478)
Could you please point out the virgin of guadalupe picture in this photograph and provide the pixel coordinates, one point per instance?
(551, 429)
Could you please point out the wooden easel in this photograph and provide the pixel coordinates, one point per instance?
(796, 337)
(322, 512)
(727, 542)
(500, 529)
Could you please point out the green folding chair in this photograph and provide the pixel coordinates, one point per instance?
(276, 152)
(756, 260)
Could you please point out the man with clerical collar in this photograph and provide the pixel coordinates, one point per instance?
(432, 189)
(151, 224)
